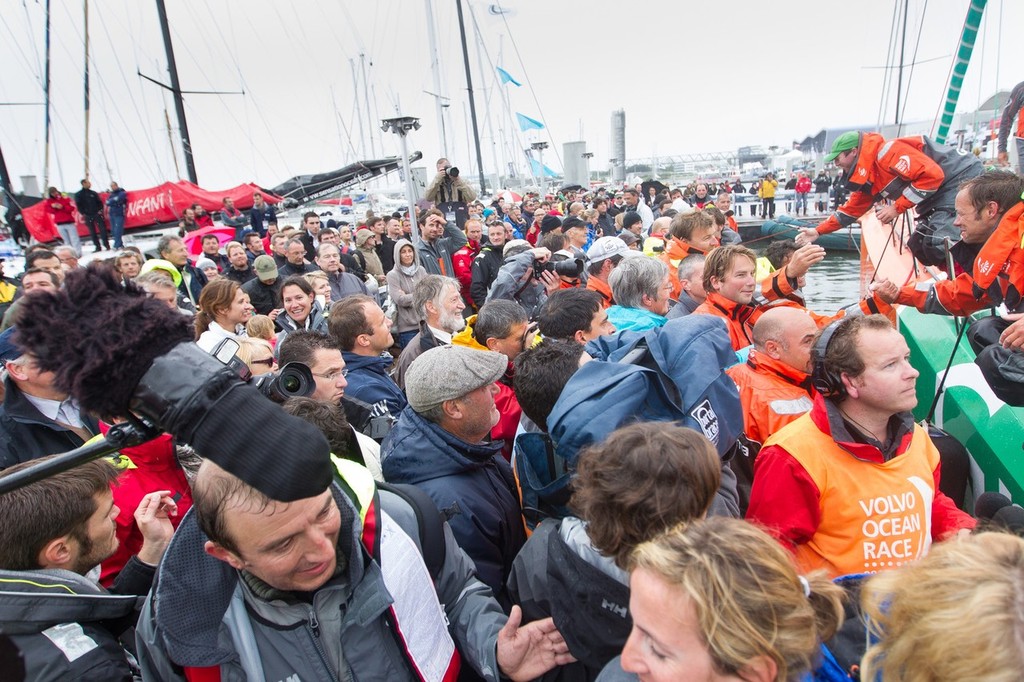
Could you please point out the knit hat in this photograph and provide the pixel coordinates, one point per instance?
(572, 222)
(549, 223)
(450, 372)
(844, 143)
(515, 246)
(631, 218)
(265, 267)
(204, 263)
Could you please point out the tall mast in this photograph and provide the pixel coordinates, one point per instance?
(359, 112)
(366, 98)
(488, 123)
(435, 67)
(899, 78)
(46, 96)
(963, 58)
(86, 82)
(179, 104)
(472, 102)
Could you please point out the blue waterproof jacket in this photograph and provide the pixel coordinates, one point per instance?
(369, 382)
(470, 483)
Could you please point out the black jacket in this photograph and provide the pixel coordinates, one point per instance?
(240, 276)
(88, 202)
(386, 252)
(25, 434)
(264, 297)
(196, 286)
(485, 269)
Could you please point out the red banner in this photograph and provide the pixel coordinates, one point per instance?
(146, 207)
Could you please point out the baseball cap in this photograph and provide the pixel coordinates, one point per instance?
(843, 143)
(606, 247)
(8, 350)
(265, 267)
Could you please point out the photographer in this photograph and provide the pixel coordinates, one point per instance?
(523, 278)
(450, 193)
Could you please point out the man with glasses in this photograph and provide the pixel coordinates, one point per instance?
(342, 283)
(322, 355)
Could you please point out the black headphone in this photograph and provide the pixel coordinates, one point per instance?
(826, 382)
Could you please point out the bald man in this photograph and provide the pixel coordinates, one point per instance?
(774, 382)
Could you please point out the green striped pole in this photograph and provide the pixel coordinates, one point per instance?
(963, 58)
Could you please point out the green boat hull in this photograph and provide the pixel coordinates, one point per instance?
(991, 430)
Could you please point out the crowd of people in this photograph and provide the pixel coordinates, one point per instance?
(446, 353)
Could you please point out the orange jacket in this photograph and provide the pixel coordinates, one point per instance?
(772, 393)
(986, 284)
(899, 169)
(738, 318)
(594, 284)
(675, 251)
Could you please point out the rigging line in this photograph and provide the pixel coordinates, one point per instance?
(146, 116)
(913, 62)
(241, 82)
(890, 52)
(35, 48)
(529, 82)
(351, 24)
(259, 112)
(128, 89)
(37, 72)
(949, 74)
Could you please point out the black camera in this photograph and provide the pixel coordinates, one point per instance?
(562, 268)
(451, 172)
(294, 380)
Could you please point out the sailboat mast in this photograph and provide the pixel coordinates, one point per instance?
(963, 58)
(366, 98)
(472, 102)
(46, 101)
(435, 67)
(86, 85)
(899, 77)
(179, 104)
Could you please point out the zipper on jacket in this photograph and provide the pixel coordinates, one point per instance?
(314, 626)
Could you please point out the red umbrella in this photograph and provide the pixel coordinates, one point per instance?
(509, 195)
(194, 240)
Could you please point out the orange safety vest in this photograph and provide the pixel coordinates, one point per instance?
(874, 516)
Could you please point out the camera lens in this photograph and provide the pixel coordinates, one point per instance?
(291, 383)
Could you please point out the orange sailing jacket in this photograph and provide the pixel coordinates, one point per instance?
(594, 284)
(903, 169)
(675, 251)
(773, 394)
(738, 318)
(996, 275)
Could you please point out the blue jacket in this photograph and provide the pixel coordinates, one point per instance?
(634, 319)
(116, 202)
(471, 484)
(369, 382)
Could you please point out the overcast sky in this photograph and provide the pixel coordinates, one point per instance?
(692, 77)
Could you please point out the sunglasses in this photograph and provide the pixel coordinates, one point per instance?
(267, 361)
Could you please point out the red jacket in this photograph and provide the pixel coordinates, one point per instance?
(61, 208)
(157, 469)
(803, 185)
(788, 501)
(898, 169)
(462, 262)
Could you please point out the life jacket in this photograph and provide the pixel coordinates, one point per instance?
(999, 267)
(739, 319)
(875, 515)
(773, 394)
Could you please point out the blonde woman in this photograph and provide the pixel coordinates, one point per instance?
(956, 614)
(721, 600)
(321, 288)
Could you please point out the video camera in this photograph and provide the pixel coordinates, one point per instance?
(451, 172)
(563, 268)
(294, 380)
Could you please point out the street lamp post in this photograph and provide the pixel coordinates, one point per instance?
(401, 126)
(539, 147)
(588, 156)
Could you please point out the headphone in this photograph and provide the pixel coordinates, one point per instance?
(825, 381)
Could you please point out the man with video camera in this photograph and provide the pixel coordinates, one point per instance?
(529, 275)
(450, 193)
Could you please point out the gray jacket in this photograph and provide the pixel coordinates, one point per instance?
(401, 286)
(515, 282)
(201, 614)
(436, 256)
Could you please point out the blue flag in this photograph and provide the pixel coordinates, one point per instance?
(527, 123)
(542, 170)
(506, 77)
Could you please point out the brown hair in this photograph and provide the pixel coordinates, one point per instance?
(58, 505)
(216, 297)
(1002, 187)
(685, 224)
(747, 595)
(348, 320)
(260, 327)
(841, 356)
(642, 480)
(720, 259)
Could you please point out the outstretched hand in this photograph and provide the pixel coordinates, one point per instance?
(527, 652)
(886, 290)
(806, 235)
(802, 260)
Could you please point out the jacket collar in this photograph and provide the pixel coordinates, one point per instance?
(765, 364)
(900, 432)
(740, 312)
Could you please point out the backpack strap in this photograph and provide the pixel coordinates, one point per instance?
(429, 522)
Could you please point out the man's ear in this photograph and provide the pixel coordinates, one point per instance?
(56, 553)
(16, 370)
(771, 348)
(492, 344)
(760, 669)
(225, 555)
(852, 389)
(452, 409)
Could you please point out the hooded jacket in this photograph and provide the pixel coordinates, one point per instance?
(204, 614)
(472, 486)
(369, 382)
(436, 256)
(560, 574)
(634, 319)
(401, 286)
(515, 282)
(484, 271)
